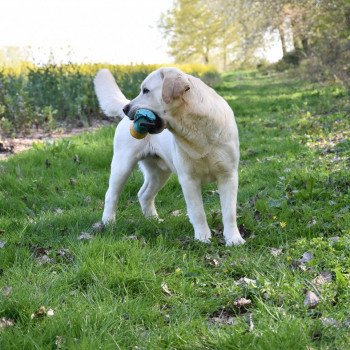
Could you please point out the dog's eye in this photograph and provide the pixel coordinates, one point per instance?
(145, 91)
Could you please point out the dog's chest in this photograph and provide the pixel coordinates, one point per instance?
(209, 168)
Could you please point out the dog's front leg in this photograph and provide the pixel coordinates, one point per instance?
(191, 189)
(228, 187)
(122, 165)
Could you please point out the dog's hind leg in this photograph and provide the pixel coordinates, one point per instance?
(155, 178)
(122, 165)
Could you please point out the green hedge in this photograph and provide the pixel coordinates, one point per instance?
(42, 96)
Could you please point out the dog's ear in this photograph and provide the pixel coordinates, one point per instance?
(175, 84)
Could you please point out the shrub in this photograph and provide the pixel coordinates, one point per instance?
(41, 96)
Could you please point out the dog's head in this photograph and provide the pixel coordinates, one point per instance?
(162, 91)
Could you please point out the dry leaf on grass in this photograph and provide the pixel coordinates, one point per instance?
(98, 226)
(306, 257)
(322, 278)
(60, 341)
(176, 212)
(246, 282)
(222, 317)
(327, 321)
(42, 312)
(276, 251)
(311, 300)
(211, 261)
(65, 255)
(59, 211)
(334, 240)
(6, 291)
(84, 236)
(165, 289)
(2, 244)
(6, 322)
(242, 303)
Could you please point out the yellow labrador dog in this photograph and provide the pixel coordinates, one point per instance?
(196, 138)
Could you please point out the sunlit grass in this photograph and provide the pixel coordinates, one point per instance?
(107, 292)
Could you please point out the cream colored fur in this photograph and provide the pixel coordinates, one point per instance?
(200, 144)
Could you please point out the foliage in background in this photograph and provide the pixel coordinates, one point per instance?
(230, 33)
(41, 96)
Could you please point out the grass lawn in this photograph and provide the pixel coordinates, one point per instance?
(142, 284)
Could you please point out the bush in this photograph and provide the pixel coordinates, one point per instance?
(42, 96)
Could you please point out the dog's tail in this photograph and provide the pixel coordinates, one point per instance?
(109, 96)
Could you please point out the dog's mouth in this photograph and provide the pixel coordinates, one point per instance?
(158, 127)
(154, 127)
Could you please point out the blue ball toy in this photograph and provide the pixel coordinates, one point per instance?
(144, 119)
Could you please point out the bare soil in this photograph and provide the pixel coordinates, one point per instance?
(20, 143)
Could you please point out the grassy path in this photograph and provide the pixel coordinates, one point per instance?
(148, 285)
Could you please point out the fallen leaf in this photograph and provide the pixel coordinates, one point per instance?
(327, 321)
(322, 278)
(42, 312)
(165, 288)
(6, 322)
(176, 213)
(65, 254)
(135, 238)
(311, 300)
(334, 240)
(60, 341)
(73, 181)
(59, 211)
(98, 226)
(306, 257)
(211, 261)
(276, 251)
(44, 259)
(242, 303)
(311, 223)
(84, 236)
(6, 291)
(246, 282)
(2, 244)
(50, 312)
(222, 317)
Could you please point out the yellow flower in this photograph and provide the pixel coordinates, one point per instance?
(178, 270)
(274, 217)
(283, 224)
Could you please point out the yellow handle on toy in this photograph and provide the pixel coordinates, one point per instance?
(136, 134)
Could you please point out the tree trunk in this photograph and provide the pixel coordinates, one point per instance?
(283, 40)
(305, 44)
(206, 56)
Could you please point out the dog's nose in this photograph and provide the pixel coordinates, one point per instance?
(126, 109)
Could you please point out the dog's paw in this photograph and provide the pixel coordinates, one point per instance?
(238, 240)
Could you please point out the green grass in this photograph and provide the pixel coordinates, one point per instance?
(107, 292)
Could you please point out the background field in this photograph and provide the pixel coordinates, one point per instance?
(52, 96)
(147, 285)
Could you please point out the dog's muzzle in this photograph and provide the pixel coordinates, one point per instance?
(159, 124)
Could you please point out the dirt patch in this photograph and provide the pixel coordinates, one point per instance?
(9, 146)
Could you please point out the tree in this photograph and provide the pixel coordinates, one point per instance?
(193, 30)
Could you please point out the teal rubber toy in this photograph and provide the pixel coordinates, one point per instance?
(143, 120)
